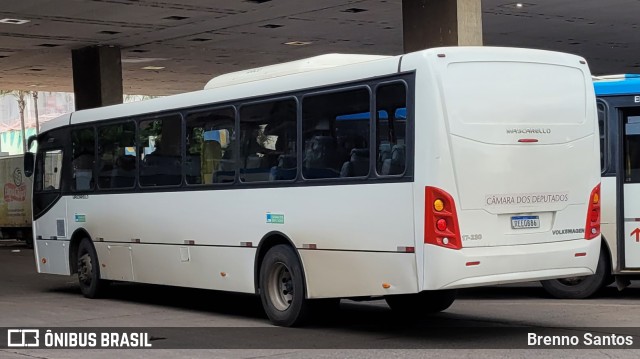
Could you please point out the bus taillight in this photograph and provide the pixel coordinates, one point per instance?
(440, 219)
(592, 227)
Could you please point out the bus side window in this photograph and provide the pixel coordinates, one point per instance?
(268, 138)
(83, 159)
(51, 174)
(117, 155)
(210, 147)
(160, 154)
(391, 128)
(335, 130)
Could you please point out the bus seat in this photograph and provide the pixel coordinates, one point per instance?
(226, 171)
(395, 164)
(124, 173)
(321, 159)
(384, 152)
(256, 168)
(211, 155)
(358, 164)
(286, 168)
(348, 143)
(160, 170)
(322, 152)
(254, 161)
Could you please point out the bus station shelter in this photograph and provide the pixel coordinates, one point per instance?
(102, 49)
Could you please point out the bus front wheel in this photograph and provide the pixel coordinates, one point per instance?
(282, 287)
(423, 303)
(91, 285)
(581, 287)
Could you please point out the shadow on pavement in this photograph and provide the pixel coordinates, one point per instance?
(20, 277)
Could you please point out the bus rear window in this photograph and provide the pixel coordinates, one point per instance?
(514, 93)
(391, 129)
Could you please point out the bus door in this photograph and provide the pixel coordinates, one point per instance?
(49, 207)
(630, 150)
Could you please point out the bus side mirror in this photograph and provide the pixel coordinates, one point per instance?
(28, 163)
(29, 157)
(30, 141)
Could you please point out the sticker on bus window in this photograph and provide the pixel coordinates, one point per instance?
(275, 218)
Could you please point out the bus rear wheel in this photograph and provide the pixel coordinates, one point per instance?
(282, 288)
(91, 285)
(581, 287)
(423, 303)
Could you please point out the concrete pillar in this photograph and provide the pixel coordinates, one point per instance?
(434, 23)
(97, 76)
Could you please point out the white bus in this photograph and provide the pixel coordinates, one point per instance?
(338, 176)
(618, 101)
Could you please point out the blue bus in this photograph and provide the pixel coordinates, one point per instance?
(618, 103)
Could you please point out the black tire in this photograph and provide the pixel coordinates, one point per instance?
(423, 303)
(582, 287)
(91, 285)
(282, 288)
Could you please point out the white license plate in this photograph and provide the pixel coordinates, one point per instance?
(519, 222)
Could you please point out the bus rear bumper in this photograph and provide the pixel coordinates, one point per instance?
(472, 267)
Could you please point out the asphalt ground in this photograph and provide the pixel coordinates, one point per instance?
(490, 322)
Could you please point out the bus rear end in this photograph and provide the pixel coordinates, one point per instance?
(518, 197)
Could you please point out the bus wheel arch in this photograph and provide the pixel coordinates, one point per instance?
(583, 287)
(74, 244)
(280, 280)
(267, 242)
(89, 278)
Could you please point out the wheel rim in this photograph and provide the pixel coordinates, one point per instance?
(85, 269)
(280, 287)
(571, 281)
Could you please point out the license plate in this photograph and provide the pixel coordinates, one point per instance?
(519, 222)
